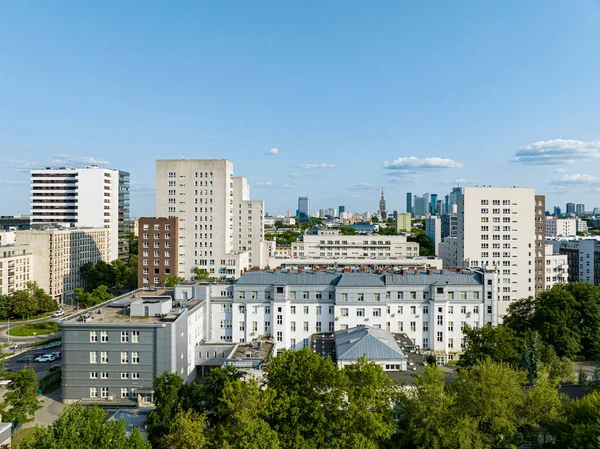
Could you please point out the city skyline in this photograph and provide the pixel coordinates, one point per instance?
(390, 97)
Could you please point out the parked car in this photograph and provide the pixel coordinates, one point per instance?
(57, 354)
(55, 368)
(78, 307)
(54, 344)
(6, 382)
(58, 313)
(45, 358)
(26, 359)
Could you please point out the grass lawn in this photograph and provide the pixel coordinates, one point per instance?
(33, 317)
(27, 330)
(22, 436)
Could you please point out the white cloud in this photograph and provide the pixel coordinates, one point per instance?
(364, 186)
(558, 151)
(559, 170)
(415, 164)
(274, 186)
(314, 166)
(578, 179)
(273, 152)
(265, 184)
(58, 160)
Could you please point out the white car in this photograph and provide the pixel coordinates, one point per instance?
(45, 358)
(58, 313)
(6, 382)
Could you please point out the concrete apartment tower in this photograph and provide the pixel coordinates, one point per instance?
(220, 228)
(89, 197)
(497, 230)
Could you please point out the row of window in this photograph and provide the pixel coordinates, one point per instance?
(125, 357)
(146, 227)
(495, 202)
(126, 337)
(359, 297)
(105, 375)
(125, 392)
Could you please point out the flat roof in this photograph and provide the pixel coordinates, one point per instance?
(117, 310)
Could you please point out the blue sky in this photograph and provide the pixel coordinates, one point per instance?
(354, 95)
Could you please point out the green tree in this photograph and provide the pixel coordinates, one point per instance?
(80, 426)
(202, 275)
(173, 280)
(491, 395)
(213, 386)
(167, 396)
(520, 315)
(425, 246)
(542, 407)
(562, 370)
(499, 344)
(187, 432)
(368, 415)
(97, 296)
(21, 399)
(347, 230)
(309, 393)
(22, 304)
(243, 407)
(581, 429)
(133, 244)
(374, 219)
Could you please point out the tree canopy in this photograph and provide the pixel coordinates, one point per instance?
(25, 303)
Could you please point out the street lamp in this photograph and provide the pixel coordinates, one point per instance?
(8, 331)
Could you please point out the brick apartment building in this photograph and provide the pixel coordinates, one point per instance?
(157, 250)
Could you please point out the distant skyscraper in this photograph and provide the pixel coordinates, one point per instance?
(433, 204)
(409, 203)
(570, 208)
(440, 208)
(580, 209)
(341, 209)
(303, 211)
(420, 206)
(557, 210)
(382, 207)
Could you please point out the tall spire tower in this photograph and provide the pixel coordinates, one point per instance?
(382, 208)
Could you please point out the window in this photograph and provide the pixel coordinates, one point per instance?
(93, 392)
(425, 326)
(292, 295)
(124, 375)
(279, 336)
(93, 337)
(425, 310)
(361, 297)
(451, 342)
(344, 297)
(104, 357)
(400, 326)
(413, 295)
(124, 392)
(450, 309)
(319, 310)
(331, 310)
(135, 375)
(400, 309)
(135, 357)
(135, 336)
(293, 310)
(305, 310)
(413, 326)
(463, 309)
(360, 312)
(124, 337)
(377, 297)
(94, 375)
(376, 312)
(476, 309)
(293, 326)
(93, 357)
(440, 336)
(450, 326)
(103, 336)
(318, 326)
(413, 310)
(104, 392)
(124, 357)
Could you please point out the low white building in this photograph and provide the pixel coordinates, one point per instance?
(560, 226)
(330, 243)
(285, 261)
(376, 345)
(431, 307)
(58, 254)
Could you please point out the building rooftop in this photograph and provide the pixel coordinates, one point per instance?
(363, 277)
(118, 310)
(375, 344)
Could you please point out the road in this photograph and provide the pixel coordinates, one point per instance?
(41, 369)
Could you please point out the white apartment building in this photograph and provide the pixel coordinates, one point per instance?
(560, 226)
(89, 197)
(583, 257)
(15, 268)
(330, 243)
(287, 261)
(431, 307)
(497, 230)
(220, 229)
(58, 254)
(557, 268)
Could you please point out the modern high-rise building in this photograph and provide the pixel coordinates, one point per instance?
(433, 204)
(433, 230)
(382, 207)
(409, 203)
(341, 209)
(557, 211)
(421, 206)
(220, 229)
(497, 229)
(90, 197)
(570, 208)
(580, 210)
(303, 211)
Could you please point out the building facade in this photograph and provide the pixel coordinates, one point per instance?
(540, 243)
(15, 268)
(329, 243)
(497, 230)
(157, 250)
(90, 197)
(220, 229)
(583, 258)
(303, 211)
(557, 268)
(556, 227)
(58, 254)
(433, 230)
(403, 222)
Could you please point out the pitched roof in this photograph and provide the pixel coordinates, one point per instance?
(375, 344)
(452, 278)
(361, 280)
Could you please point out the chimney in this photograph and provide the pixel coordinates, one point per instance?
(346, 270)
(428, 271)
(442, 271)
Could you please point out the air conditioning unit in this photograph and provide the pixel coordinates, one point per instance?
(110, 398)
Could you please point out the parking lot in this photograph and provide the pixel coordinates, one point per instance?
(26, 359)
